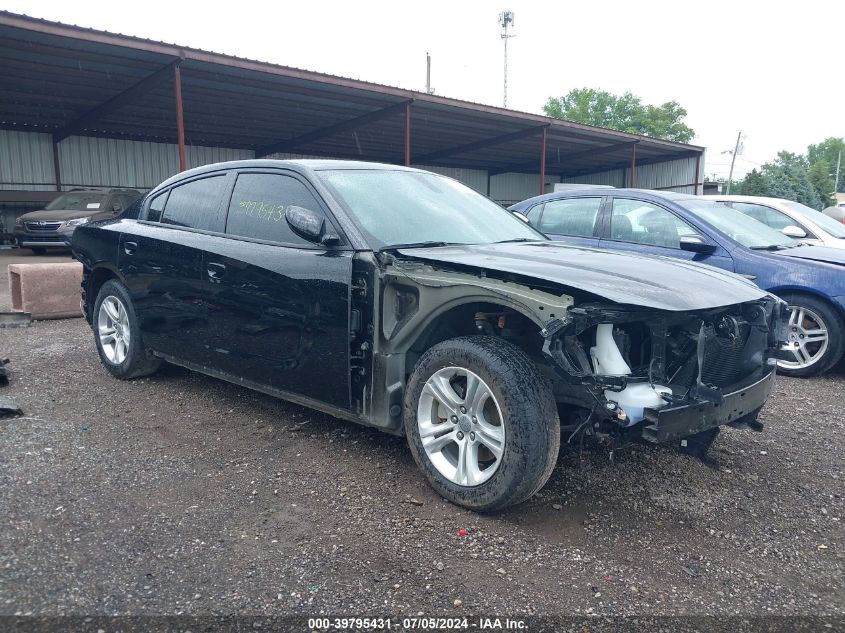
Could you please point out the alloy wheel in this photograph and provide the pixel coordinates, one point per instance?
(113, 329)
(807, 338)
(461, 426)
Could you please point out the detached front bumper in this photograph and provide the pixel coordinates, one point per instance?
(676, 421)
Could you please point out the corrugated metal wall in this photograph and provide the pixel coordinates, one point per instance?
(102, 162)
(472, 178)
(676, 175)
(614, 178)
(511, 188)
(26, 161)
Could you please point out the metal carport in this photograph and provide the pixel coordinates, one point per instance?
(69, 82)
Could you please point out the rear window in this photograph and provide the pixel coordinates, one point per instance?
(194, 205)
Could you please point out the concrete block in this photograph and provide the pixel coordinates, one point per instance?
(47, 291)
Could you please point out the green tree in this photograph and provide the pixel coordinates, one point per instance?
(626, 113)
(819, 174)
(828, 150)
(788, 177)
(754, 184)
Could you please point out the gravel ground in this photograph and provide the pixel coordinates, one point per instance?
(183, 494)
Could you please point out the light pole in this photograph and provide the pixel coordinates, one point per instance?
(506, 21)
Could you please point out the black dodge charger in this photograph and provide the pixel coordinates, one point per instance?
(401, 299)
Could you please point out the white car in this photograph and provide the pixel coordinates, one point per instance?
(793, 219)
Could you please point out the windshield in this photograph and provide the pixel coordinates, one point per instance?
(826, 223)
(736, 225)
(77, 201)
(407, 207)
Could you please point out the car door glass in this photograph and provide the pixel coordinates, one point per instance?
(533, 214)
(156, 207)
(259, 203)
(766, 215)
(645, 223)
(194, 204)
(570, 216)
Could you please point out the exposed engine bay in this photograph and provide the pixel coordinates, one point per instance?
(619, 372)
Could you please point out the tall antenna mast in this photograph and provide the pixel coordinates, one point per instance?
(506, 21)
(428, 89)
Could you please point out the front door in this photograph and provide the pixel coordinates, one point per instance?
(278, 305)
(644, 227)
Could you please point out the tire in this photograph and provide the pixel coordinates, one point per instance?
(512, 413)
(818, 315)
(39, 251)
(122, 353)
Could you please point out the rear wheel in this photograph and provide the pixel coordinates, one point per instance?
(481, 422)
(118, 335)
(814, 337)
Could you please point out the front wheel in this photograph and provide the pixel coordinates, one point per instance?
(814, 337)
(481, 422)
(118, 334)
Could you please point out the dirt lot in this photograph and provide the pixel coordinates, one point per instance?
(183, 494)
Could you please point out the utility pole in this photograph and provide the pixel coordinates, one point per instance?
(838, 163)
(506, 21)
(733, 160)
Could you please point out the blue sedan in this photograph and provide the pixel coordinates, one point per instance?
(809, 278)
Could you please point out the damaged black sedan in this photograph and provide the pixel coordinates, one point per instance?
(400, 299)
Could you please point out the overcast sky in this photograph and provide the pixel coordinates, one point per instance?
(770, 68)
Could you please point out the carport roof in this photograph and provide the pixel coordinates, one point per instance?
(68, 80)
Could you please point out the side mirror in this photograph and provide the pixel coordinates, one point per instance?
(521, 216)
(793, 231)
(310, 226)
(695, 244)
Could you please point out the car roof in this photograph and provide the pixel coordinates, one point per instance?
(574, 193)
(297, 164)
(738, 198)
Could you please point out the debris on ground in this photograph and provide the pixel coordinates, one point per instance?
(15, 319)
(8, 407)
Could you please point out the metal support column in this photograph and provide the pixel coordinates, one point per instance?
(407, 135)
(180, 123)
(543, 162)
(632, 176)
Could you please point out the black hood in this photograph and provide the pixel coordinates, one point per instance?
(643, 280)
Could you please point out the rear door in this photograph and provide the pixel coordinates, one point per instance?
(278, 305)
(573, 220)
(161, 261)
(641, 226)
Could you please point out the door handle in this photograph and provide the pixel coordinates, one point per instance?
(215, 271)
(130, 247)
